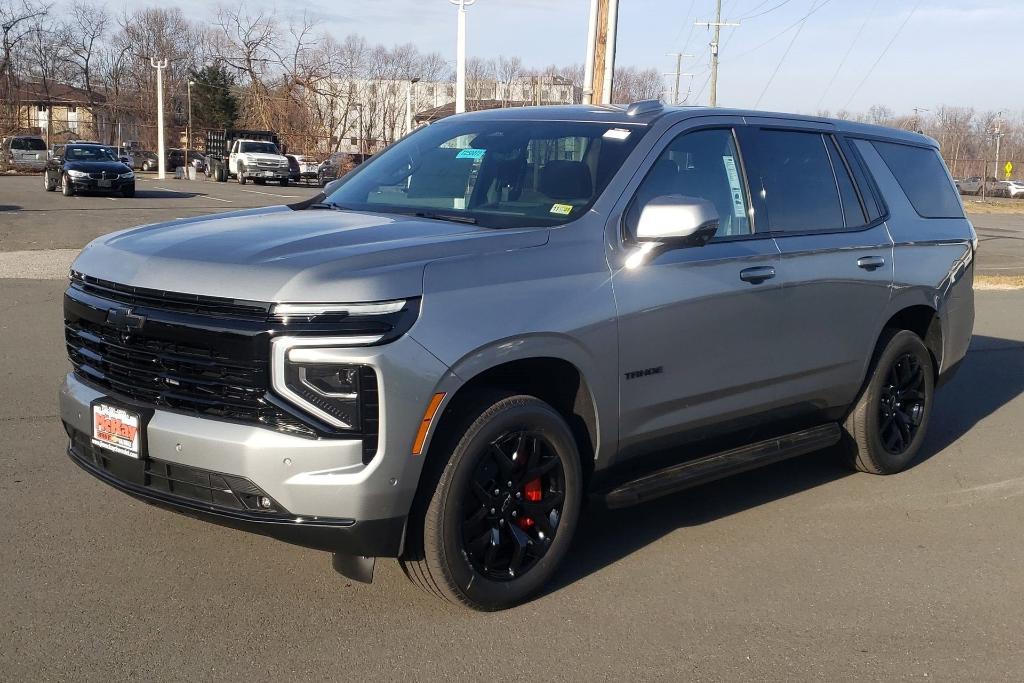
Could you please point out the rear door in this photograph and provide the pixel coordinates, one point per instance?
(836, 257)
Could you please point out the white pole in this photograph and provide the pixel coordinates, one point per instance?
(188, 131)
(408, 105)
(460, 56)
(588, 65)
(161, 161)
(609, 54)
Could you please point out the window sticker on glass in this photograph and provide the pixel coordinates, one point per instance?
(470, 153)
(562, 209)
(616, 134)
(734, 186)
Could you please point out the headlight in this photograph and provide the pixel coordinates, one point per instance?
(322, 379)
(127, 176)
(77, 174)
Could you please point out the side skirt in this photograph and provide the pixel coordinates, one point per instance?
(723, 464)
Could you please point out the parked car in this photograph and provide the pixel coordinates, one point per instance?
(508, 311)
(259, 161)
(147, 161)
(1014, 189)
(971, 185)
(26, 152)
(333, 167)
(88, 168)
(294, 168)
(197, 160)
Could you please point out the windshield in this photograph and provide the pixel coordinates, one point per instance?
(258, 148)
(495, 173)
(90, 153)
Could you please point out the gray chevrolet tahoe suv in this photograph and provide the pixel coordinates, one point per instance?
(445, 353)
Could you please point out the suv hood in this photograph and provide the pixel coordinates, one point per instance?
(277, 254)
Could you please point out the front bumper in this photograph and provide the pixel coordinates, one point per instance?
(271, 173)
(312, 480)
(93, 185)
(372, 538)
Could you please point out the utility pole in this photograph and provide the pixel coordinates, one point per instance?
(161, 157)
(998, 133)
(917, 118)
(408, 104)
(188, 129)
(599, 68)
(678, 73)
(717, 24)
(460, 56)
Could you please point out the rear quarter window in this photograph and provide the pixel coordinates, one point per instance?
(923, 178)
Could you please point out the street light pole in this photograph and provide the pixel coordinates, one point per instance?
(460, 56)
(161, 160)
(188, 129)
(408, 105)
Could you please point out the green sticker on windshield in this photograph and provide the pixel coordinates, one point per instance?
(470, 153)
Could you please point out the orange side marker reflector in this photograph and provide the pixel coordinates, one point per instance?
(428, 417)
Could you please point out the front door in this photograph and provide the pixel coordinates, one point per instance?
(697, 325)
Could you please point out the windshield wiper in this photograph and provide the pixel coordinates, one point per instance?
(445, 217)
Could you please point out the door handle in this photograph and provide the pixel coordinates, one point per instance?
(757, 275)
(870, 262)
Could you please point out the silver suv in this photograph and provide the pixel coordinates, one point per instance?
(443, 354)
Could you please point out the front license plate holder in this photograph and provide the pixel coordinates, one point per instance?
(119, 428)
(104, 183)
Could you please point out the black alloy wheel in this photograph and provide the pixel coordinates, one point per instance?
(513, 506)
(901, 404)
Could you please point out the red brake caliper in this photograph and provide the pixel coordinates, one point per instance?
(533, 493)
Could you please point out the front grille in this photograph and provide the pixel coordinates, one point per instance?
(101, 175)
(214, 489)
(206, 356)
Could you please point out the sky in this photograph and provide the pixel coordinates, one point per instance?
(787, 55)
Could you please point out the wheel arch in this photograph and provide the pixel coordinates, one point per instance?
(551, 378)
(924, 321)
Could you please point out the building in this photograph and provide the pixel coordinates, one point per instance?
(371, 114)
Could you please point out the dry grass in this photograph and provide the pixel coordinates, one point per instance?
(998, 282)
(994, 206)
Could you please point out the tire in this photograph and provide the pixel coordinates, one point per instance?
(259, 181)
(320, 180)
(128, 192)
(48, 184)
(284, 182)
(66, 188)
(454, 557)
(889, 421)
(241, 175)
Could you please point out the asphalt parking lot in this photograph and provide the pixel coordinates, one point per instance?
(795, 572)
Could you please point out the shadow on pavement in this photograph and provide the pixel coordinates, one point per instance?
(991, 376)
(9, 207)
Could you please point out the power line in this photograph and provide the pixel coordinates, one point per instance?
(882, 55)
(785, 54)
(846, 56)
(784, 31)
(767, 11)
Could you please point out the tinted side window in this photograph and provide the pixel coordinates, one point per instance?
(852, 210)
(867, 189)
(922, 175)
(797, 182)
(701, 164)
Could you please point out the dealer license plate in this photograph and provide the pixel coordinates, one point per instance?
(103, 183)
(116, 429)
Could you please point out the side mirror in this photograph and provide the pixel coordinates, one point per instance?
(677, 221)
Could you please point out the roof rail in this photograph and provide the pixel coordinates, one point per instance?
(644, 107)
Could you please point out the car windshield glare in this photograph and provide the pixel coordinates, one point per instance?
(496, 173)
(258, 148)
(88, 154)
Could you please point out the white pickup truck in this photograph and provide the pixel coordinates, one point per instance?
(257, 160)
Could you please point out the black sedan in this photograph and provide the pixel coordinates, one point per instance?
(88, 168)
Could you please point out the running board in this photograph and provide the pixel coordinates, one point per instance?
(723, 464)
